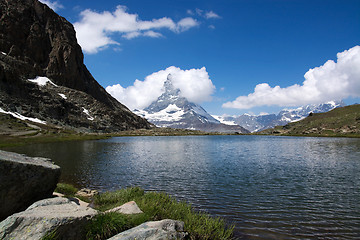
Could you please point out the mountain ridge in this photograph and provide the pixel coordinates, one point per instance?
(341, 121)
(255, 123)
(36, 42)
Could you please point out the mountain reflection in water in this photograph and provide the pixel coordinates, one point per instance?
(269, 187)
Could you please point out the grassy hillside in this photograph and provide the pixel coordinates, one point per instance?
(344, 121)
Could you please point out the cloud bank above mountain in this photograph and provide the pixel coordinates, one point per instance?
(194, 84)
(95, 31)
(331, 81)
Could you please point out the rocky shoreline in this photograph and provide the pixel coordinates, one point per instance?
(30, 210)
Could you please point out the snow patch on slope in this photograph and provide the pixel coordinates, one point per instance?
(42, 81)
(21, 117)
(62, 95)
(88, 114)
(222, 120)
(170, 113)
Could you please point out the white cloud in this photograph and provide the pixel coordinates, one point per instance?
(152, 34)
(211, 14)
(202, 13)
(54, 5)
(95, 30)
(149, 33)
(199, 11)
(131, 35)
(186, 23)
(194, 84)
(190, 12)
(331, 81)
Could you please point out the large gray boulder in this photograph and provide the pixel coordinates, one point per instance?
(157, 230)
(24, 180)
(55, 215)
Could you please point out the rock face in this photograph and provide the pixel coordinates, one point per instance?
(61, 215)
(165, 229)
(24, 180)
(127, 208)
(35, 41)
(174, 111)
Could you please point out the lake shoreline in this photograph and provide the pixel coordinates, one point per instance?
(10, 140)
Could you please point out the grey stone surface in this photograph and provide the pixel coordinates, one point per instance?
(24, 180)
(127, 208)
(43, 217)
(157, 230)
(87, 193)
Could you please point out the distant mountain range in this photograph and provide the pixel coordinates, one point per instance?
(261, 122)
(174, 111)
(342, 121)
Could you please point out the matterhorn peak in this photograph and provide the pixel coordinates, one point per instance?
(169, 87)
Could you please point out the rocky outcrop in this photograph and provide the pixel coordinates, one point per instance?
(127, 208)
(164, 229)
(24, 180)
(58, 216)
(35, 41)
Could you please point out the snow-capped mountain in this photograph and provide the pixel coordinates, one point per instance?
(258, 123)
(174, 111)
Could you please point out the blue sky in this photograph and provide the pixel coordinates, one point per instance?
(241, 44)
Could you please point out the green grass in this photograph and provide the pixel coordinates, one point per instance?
(158, 206)
(67, 189)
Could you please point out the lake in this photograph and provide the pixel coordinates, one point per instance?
(269, 187)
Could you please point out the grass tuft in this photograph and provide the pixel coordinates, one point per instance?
(157, 206)
(67, 189)
(106, 225)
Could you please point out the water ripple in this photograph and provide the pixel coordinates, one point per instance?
(269, 187)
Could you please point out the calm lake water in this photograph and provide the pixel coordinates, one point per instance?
(269, 187)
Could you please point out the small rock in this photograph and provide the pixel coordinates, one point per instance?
(43, 217)
(165, 229)
(87, 193)
(127, 208)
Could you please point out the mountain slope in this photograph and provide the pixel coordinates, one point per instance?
(35, 41)
(262, 122)
(337, 122)
(174, 111)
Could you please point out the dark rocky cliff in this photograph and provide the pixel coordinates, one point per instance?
(35, 41)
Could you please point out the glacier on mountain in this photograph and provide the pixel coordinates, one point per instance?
(173, 110)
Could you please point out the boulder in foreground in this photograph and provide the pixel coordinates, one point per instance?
(164, 229)
(24, 180)
(54, 215)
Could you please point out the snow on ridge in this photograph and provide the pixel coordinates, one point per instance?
(21, 117)
(222, 120)
(42, 81)
(88, 114)
(170, 113)
(62, 95)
